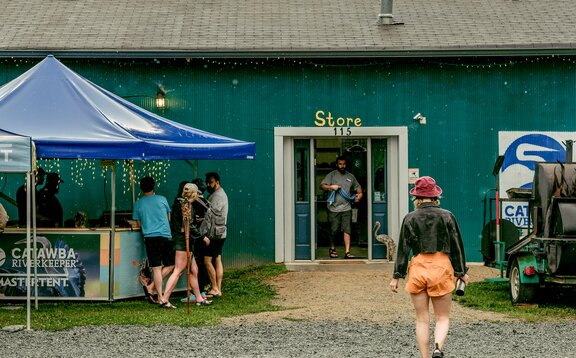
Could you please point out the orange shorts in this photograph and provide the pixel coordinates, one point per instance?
(432, 273)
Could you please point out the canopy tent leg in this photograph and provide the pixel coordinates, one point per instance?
(34, 235)
(112, 232)
(28, 258)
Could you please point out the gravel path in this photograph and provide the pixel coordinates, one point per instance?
(330, 314)
(293, 339)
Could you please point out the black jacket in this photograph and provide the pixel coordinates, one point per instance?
(177, 223)
(430, 229)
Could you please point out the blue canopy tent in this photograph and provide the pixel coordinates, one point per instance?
(69, 117)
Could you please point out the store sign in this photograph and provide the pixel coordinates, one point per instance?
(342, 126)
(323, 120)
(15, 154)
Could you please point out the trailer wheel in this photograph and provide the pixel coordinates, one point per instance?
(521, 292)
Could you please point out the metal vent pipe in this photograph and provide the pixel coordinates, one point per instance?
(385, 17)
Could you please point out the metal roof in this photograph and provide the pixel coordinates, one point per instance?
(257, 28)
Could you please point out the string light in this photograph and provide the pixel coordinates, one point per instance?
(50, 165)
(157, 169)
(127, 176)
(83, 171)
(466, 62)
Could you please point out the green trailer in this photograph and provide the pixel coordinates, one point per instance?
(547, 254)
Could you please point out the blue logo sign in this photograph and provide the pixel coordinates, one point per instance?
(531, 148)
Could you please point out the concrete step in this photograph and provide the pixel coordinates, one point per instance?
(340, 265)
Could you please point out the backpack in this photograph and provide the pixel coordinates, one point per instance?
(208, 224)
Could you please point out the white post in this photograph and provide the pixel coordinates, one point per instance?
(112, 232)
(28, 258)
(34, 234)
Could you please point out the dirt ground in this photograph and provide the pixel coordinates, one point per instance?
(356, 295)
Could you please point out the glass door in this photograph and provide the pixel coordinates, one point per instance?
(379, 196)
(303, 239)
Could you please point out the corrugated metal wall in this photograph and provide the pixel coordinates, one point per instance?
(466, 103)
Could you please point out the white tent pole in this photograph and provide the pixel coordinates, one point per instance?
(28, 258)
(34, 234)
(112, 232)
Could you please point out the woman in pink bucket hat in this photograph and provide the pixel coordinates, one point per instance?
(433, 237)
(425, 187)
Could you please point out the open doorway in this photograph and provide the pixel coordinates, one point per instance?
(302, 157)
(326, 150)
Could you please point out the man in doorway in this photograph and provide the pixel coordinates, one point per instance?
(213, 255)
(340, 183)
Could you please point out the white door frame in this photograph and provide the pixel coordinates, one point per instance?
(397, 177)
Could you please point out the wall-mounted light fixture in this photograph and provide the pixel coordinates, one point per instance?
(160, 99)
(420, 118)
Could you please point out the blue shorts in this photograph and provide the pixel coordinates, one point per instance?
(160, 251)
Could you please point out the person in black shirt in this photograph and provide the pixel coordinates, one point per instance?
(50, 212)
(184, 232)
(21, 196)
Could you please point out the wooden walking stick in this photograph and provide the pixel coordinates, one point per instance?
(186, 218)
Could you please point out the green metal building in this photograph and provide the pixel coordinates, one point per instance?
(426, 94)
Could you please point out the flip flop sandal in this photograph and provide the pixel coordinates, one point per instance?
(143, 279)
(167, 304)
(151, 298)
(147, 295)
(191, 298)
(204, 303)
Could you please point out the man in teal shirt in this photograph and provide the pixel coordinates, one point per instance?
(152, 214)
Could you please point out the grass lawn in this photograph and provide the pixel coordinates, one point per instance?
(246, 292)
(553, 302)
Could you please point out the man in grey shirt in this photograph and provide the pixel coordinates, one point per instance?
(340, 182)
(213, 255)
